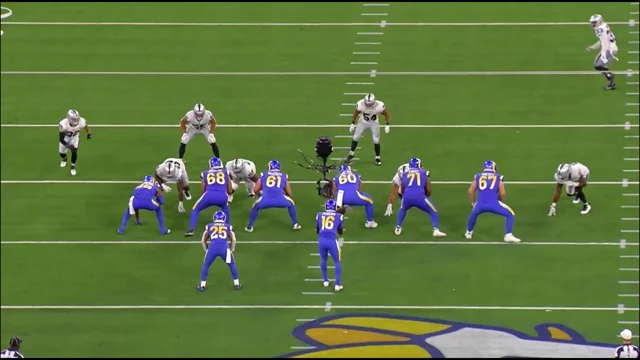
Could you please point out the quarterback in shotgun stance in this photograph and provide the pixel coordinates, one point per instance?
(198, 121)
(573, 177)
(366, 117)
(69, 137)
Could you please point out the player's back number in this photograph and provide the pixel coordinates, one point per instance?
(348, 178)
(327, 222)
(218, 232)
(216, 178)
(273, 181)
(487, 182)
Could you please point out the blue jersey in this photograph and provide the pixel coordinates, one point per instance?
(215, 180)
(218, 232)
(488, 185)
(146, 190)
(347, 181)
(328, 223)
(273, 183)
(414, 182)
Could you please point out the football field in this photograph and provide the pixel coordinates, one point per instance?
(463, 83)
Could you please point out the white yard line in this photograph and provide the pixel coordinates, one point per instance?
(336, 126)
(310, 242)
(314, 73)
(308, 182)
(282, 24)
(342, 307)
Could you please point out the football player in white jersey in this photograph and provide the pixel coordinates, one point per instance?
(174, 170)
(607, 46)
(574, 177)
(198, 121)
(242, 170)
(396, 188)
(366, 117)
(69, 137)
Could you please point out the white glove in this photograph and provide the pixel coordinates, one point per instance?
(184, 138)
(352, 128)
(389, 211)
(211, 139)
(552, 210)
(180, 207)
(387, 129)
(165, 188)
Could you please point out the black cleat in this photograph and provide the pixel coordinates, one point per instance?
(237, 287)
(610, 87)
(350, 158)
(188, 233)
(187, 194)
(378, 162)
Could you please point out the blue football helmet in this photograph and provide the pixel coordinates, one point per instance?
(490, 165)
(219, 216)
(330, 205)
(148, 179)
(215, 163)
(274, 165)
(415, 163)
(345, 168)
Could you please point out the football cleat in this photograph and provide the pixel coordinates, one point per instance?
(509, 238)
(338, 288)
(297, 227)
(188, 233)
(73, 172)
(468, 235)
(586, 208)
(201, 288)
(325, 283)
(63, 163)
(187, 195)
(371, 224)
(378, 162)
(248, 229)
(576, 201)
(610, 87)
(166, 232)
(237, 287)
(438, 233)
(398, 230)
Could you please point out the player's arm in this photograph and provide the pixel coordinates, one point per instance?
(556, 195)
(205, 246)
(87, 130)
(203, 185)
(472, 192)
(427, 186)
(334, 188)
(159, 179)
(159, 196)
(287, 190)
(229, 188)
(212, 124)
(387, 118)
(180, 194)
(394, 193)
(354, 116)
(502, 193)
(340, 228)
(61, 136)
(582, 182)
(317, 226)
(257, 187)
(183, 124)
(232, 237)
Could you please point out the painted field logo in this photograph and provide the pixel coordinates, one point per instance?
(387, 336)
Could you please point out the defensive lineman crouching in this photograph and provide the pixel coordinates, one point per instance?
(174, 170)
(574, 176)
(242, 170)
(367, 111)
(198, 121)
(396, 188)
(69, 137)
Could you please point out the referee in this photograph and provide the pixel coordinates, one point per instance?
(12, 351)
(627, 350)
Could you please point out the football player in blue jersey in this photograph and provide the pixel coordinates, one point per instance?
(347, 189)
(146, 196)
(415, 190)
(219, 233)
(328, 227)
(275, 192)
(216, 189)
(491, 193)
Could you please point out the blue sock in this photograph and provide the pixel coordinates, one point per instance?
(323, 267)
(253, 215)
(195, 213)
(338, 269)
(368, 209)
(160, 217)
(435, 219)
(292, 214)
(401, 214)
(510, 221)
(471, 223)
(125, 219)
(234, 270)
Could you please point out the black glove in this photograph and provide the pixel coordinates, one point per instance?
(88, 136)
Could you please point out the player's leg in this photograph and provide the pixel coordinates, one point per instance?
(203, 202)
(184, 140)
(212, 254)
(357, 135)
(586, 208)
(291, 207)
(223, 203)
(258, 205)
(478, 209)
(405, 205)
(73, 146)
(363, 199)
(503, 209)
(184, 184)
(249, 185)
(127, 215)
(234, 186)
(211, 139)
(156, 206)
(62, 150)
(601, 64)
(336, 255)
(430, 208)
(323, 250)
(231, 261)
(571, 192)
(375, 136)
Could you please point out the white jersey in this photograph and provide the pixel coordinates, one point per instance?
(244, 172)
(576, 171)
(397, 178)
(199, 124)
(10, 354)
(171, 170)
(370, 114)
(607, 39)
(72, 131)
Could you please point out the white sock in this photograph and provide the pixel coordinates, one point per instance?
(203, 283)
(351, 153)
(236, 282)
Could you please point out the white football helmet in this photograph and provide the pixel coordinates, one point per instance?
(171, 168)
(369, 100)
(73, 116)
(563, 171)
(198, 111)
(237, 166)
(596, 20)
